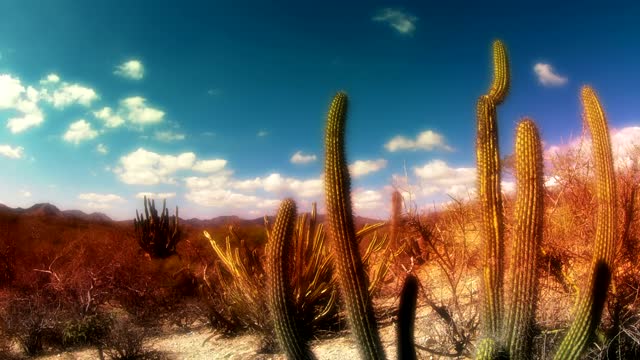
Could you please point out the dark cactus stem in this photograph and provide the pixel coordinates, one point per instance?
(352, 279)
(406, 319)
(280, 301)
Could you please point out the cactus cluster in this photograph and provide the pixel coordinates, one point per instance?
(507, 328)
(158, 235)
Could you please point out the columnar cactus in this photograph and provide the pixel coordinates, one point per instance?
(526, 242)
(352, 279)
(279, 291)
(157, 235)
(591, 302)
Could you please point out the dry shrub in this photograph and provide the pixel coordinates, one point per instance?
(127, 342)
(236, 280)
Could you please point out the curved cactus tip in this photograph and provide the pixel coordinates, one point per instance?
(501, 77)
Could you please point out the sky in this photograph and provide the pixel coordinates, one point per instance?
(219, 106)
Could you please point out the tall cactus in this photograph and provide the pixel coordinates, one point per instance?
(501, 77)
(280, 292)
(352, 279)
(527, 240)
(157, 235)
(591, 303)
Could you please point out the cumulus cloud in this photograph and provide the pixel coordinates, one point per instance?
(426, 140)
(152, 195)
(11, 152)
(168, 136)
(145, 167)
(368, 200)
(399, 20)
(138, 112)
(213, 191)
(68, 94)
(50, 79)
(14, 96)
(437, 176)
(100, 201)
(80, 131)
(364, 167)
(547, 76)
(132, 69)
(102, 149)
(300, 158)
(110, 119)
(209, 166)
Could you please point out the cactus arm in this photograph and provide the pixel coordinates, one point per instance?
(279, 294)
(488, 160)
(351, 276)
(527, 239)
(501, 78)
(591, 303)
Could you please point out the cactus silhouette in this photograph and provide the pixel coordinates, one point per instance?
(157, 235)
(280, 292)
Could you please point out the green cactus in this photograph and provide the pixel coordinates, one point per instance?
(352, 279)
(280, 292)
(501, 77)
(490, 197)
(591, 303)
(158, 236)
(527, 240)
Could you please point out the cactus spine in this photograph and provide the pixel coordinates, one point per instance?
(591, 303)
(527, 240)
(501, 77)
(351, 276)
(279, 294)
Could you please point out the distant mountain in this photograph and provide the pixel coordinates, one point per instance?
(43, 209)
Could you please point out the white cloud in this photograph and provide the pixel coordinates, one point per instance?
(11, 152)
(262, 133)
(13, 95)
(25, 193)
(300, 158)
(212, 191)
(132, 69)
(426, 140)
(367, 200)
(168, 136)
(547, 76)
(437, 176)
(209, 166)
(144, 167)
(11, 90)
(79, 131)
(100, 201)
(50, 79)
(110, 119)
(136, 111)
(102, 149)
(282, 186)
(151, 195)
(364, 167)
(401, 21)
(68, 94)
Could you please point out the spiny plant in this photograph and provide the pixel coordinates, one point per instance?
(158, 235)
(241, 281)
(513, 338)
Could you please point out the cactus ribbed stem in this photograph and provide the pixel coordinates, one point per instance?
(490, 197)
(351, 276)
(501, 78)
(396, 218)
(527, 238)
(280, 292)
(591, 303)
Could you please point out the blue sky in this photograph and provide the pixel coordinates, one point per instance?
(220, 105)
